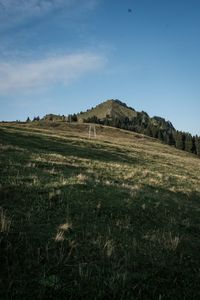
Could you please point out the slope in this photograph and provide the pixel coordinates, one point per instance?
(112, 218)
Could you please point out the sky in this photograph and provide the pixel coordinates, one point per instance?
(65, 56)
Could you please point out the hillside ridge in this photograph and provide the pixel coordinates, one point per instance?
(115, 113)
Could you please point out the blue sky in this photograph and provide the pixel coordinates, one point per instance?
(64, 56)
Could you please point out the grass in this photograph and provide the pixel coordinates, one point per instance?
(111, 218)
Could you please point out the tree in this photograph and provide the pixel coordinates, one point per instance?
(194, 150)
(107, 122)
(116, 122)
(148, 131)
(179, 140)
(28, 120)
(155, 132)
(170, 138)
(93, 119)
(74, 118)
(160, 135)
(188, 143)
(197, 144)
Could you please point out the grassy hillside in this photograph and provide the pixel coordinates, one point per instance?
(111, 218)
(110, 108)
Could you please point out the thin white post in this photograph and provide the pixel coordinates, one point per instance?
(92, 131)
(95, 134)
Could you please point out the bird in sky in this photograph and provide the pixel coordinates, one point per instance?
(130, 10)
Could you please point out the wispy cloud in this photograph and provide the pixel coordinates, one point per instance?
(46, 72)
(20, 9)
(16, 11)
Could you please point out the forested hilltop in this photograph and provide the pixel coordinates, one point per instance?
(117, 114)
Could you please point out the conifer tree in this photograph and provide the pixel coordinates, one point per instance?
(194, 146)
(160, 135)
(148, 131)
(74, 118)
(179, 141)
(197, 144)
(188, 143)
(155, 132)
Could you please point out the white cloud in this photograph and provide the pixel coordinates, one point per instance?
(63, 69)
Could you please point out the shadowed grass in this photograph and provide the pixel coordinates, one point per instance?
(85, 219)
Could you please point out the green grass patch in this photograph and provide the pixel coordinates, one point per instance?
(92, 219)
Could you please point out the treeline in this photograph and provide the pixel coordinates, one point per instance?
(34, 119)
(154, 127)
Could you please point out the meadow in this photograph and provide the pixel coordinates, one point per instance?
(116, 217)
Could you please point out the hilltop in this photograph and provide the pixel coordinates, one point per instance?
(109, 109)
(112, 110)
(118, 110)
(116, 217)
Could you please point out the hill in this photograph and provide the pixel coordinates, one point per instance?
(117, 114)
(109, 109)
(115, 109)
(116, 217)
